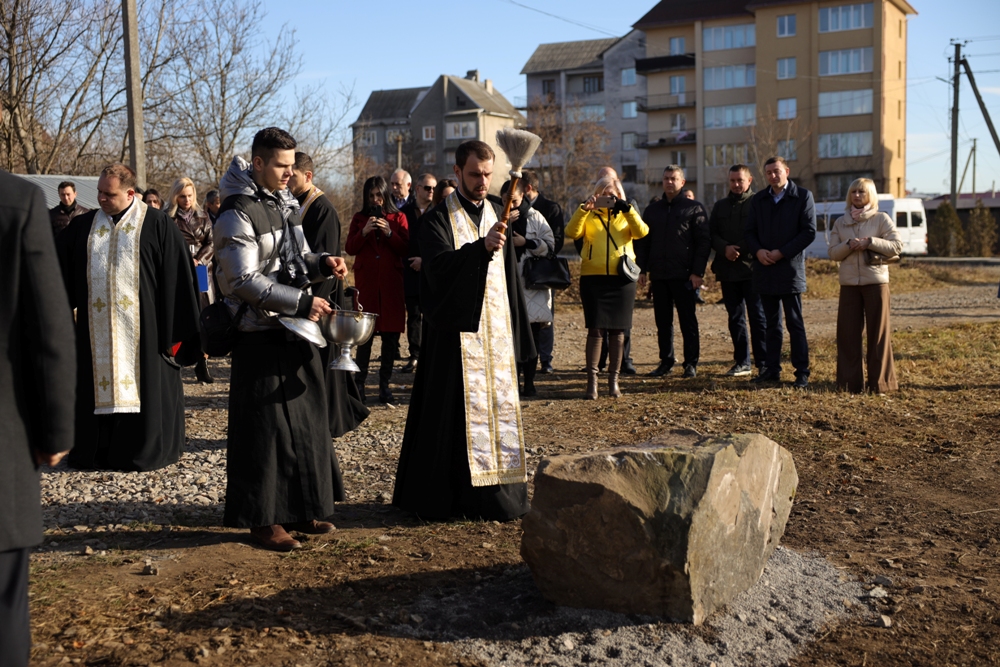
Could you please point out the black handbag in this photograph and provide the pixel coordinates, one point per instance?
(546, 272)
(627, 268)
(219, 328)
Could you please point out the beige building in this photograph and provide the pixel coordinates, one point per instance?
(821, 83)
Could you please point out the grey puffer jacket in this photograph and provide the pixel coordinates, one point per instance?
(249, 255)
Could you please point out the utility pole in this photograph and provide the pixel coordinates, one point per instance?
(974, 156)
(956, 83)
(399, 150)
(133, 88)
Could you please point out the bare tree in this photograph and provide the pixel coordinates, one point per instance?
(771, 136)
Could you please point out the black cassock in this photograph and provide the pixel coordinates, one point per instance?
(321, 227)
(433, 477)
(168, 314)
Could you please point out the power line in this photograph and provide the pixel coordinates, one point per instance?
(563, 18)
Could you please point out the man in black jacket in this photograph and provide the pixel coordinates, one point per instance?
(553, 215)
(414, 209)
(781, 224)
(727, 225)
(674, 254)
(36, 400)
(67, 209)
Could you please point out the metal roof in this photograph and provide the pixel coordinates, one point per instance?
(490, 102)
(389, 105)
(559, 56)
(669, 12)
(86, 188)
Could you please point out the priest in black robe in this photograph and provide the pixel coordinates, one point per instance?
(445, 469)
(117, 427)
(321, 227)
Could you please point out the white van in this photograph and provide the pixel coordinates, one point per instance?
(909, 214)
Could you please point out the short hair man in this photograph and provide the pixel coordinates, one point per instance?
(129, 396)
(732, 268)
(282, 472)
(553, 214)
(35, 397)
(780, 226)
(321, 228)
(66, 209)
(400, 183)
(463, 451)
(414, 209)
(212, 204)
(674, 255)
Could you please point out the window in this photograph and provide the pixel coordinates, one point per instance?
(680, 158)
(629, 109)
(430, 158)
(786, 149)
(729, 37)
(786, 68)
(630, 173)
(902, 220)
(737, 115)
(847, 61)
(833, 187)
(430, 133)
(845, 144)
(461, 130)
(593, 84)
(916, 219)
(677, 85)
(786, 25)
(679, 123)
(449, 158)
(548, 86)
(628, 76)
(725, 155)
(369, 138)
(629, 141)
(845, 17)
(591, 112)
(392, 136)
(899, 109)
(677, 46)
(845, 103)
(731, 76)
(786, 108)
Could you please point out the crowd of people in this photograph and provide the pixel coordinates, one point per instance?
(441, 261)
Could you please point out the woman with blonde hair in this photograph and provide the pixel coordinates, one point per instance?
(864, 240)
(196, 227)
(607, 226)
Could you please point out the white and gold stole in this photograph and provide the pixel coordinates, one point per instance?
(113, 308)
(313, 196)
(494, 436)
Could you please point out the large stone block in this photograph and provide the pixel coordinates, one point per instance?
(675, 527)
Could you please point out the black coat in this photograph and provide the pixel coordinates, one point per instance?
(39, 362)
(788, 226)
(678, 242)
(727, 225)
(553, 214)
(411, 278)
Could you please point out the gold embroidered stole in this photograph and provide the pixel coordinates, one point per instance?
(313, 196)
(113, 308)
(494, 437)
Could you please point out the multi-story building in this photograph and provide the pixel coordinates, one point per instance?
(420, 128)
(595, 80)
(821, 83)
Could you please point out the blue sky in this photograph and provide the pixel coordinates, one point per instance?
(395, 44)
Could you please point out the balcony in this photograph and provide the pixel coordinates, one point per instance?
(664, 63)
(665, 101)
(666, 139)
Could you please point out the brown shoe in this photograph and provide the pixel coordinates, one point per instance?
(274, 538)
(313, 527)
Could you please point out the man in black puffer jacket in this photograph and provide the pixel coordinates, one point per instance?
(674, 254)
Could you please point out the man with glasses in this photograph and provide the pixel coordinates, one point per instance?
(419, 204)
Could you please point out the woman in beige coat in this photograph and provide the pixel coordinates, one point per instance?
(862, 240)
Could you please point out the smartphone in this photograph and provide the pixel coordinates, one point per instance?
(605, 202)
(376, 211)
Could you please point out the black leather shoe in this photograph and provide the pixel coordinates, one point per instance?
(529, 390)
(410, 367)
(661, 370)
(689, 371)
(628, 368)
(766, 378)
(201, 372)
(547, 368)
(385, 396)
(801, 382)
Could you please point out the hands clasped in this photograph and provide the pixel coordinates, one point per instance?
(860, 244)
(377, 225)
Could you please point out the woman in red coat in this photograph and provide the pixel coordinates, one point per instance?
(380, 240)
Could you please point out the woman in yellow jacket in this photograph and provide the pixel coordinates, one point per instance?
(608, 297)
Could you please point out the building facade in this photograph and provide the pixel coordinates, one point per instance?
(821, 83)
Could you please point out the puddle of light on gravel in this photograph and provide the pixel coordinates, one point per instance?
(796, 598)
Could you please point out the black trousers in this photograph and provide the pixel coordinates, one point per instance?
(792, 305)
(413, 325)
(668, 294)
(742, 303)
(15, 631)
(390, 352)
(545, 341)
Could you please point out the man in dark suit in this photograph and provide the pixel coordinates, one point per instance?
(780, 226)
(36, 400)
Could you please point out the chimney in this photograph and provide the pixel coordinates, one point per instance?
(472, 75)
(489, 86)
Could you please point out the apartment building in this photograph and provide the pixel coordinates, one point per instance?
(821, 83)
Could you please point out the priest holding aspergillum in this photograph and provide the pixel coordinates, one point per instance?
(129, 276)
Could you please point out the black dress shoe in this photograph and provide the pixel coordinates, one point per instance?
(385, 396)
(628, 368)
(766, 378)
(801, 382)
(661, 370)
(690, 371)
(529, 390)
(410, 367)
(547, 368)
(201, 372)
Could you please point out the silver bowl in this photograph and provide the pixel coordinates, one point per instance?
(347, 328)
(305, 329)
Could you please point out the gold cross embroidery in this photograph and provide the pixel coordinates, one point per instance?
(102, 231)
(104, 383)
(128, 228)
(125, 302)
(99, 305)
(127, 382)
